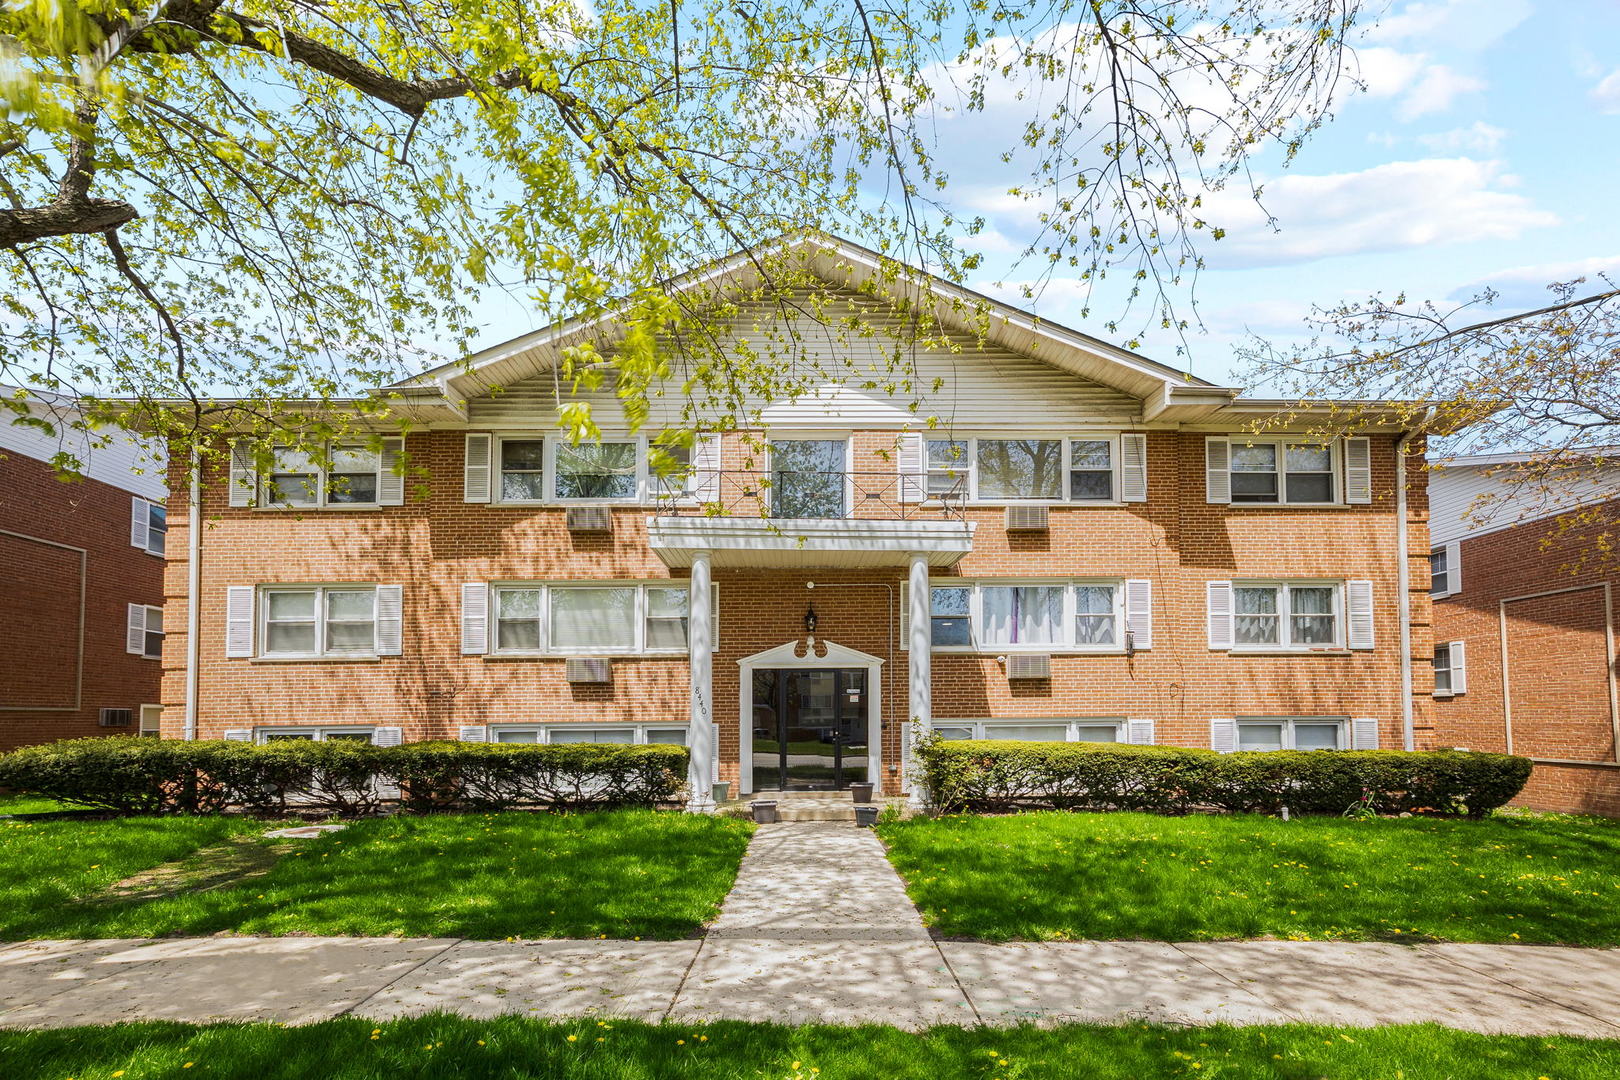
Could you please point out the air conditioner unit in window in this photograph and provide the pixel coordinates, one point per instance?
(590, 669)
(117, 717)
(1029, 666)
(1026, 518)
(589, 519)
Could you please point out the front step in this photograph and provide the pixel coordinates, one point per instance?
(807, 805)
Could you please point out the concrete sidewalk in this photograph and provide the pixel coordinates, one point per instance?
(818, 929)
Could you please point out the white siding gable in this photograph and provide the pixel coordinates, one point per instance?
(138, 466)
(1453, 490)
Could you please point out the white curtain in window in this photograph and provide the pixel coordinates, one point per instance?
(1023, 614)
(593, 618)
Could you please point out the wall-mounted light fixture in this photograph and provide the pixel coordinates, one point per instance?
(810, 619)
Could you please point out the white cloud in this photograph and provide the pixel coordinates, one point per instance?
(1435, 92)
(1464, 25)
(1478, 136)
(1419, 87)
(1402, 204)
(1606, 94)
(1526, 286)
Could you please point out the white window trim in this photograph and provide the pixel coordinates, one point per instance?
(317, 733)
(262, 500)
(145, 510)
(1288, 722)
(1067, 645)
(1335, 451)
(146, 618)
(640, 619)
(1452, 669)
(262, 622)
(638, 730)
(644, 493)
(157, 727)
(1285, 611)
(969, 468)
(981, 726)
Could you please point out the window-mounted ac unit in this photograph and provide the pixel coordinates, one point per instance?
(1029, 666)
(116, 717)
(590, 669)
(1026, 518)
(589, 519)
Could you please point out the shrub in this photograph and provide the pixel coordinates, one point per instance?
(161, 776)
(998, 775)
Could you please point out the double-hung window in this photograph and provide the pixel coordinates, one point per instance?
(1290, 733)
(342, 474)
(1042, 729)
(948, 469)
(590, 619)
(523, 470)
(1078, 616)
(626, 734)
(1091, 470)
(319, 621)
(1283, 471)
(1279, 615)
(149, 526)
(1078, 469)
(144, 628)
(315, 734)
(1450, 669)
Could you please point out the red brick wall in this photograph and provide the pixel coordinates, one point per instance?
(1558, 661)
(433, 545)
(40, 652)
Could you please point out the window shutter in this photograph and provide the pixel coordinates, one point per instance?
(706, 464)
(390, 619)
(387, 736)
(239, 735)
(1459, 668)
(244, 477)
(1218, 601)
(1217, 470)
(1132, 468)
(1223, 734)
(390, 480)
(1364, 733)
(1453, 567)
(1359, 605)
(905, 617)
(474, 618)
(1139, 612)
(1358, 470)
(1139, 732)
(137, 523)
(473, 733)
(913, 457)
(135, 629)
(239, 621)
(476, 470)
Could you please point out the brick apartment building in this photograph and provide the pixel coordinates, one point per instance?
(1524, 628)
(1086, 546)
(81, 582)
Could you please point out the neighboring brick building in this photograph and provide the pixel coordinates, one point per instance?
(81, 589)
(1524, 627)
(1086, 546)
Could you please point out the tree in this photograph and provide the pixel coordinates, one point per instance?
(1542, 383)
(211, 206)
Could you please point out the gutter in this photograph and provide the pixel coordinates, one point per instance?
(1403, 582)
(193, 588)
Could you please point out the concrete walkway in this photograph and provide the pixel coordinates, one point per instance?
(818, 929)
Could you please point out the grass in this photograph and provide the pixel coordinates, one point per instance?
(1055, 876)
(32, 804)
(621, 874)
(513, 1047)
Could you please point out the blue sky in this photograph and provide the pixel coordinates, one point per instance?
(1484, 151)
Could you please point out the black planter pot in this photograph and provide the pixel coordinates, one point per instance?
(862, 792)
(866, 816)
(764, 811)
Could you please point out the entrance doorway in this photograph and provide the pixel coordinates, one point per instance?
(810, 728)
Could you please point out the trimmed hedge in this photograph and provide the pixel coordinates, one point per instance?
(162, 776)
(984, 775)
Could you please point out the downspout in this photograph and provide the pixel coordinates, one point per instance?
(1403, 572)
(193, 588)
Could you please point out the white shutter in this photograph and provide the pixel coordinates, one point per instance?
(1139, 612)
(1218, 602)
(239, 735)
(1358, 470)
(1358, 602)
(239, 621)
(244, 477)
(905, 617)
(1223, 734)
(1459, 668)
(390, 481)
(1217, 470)
(138, 517)
(474, 618)
(473, 733)
(1364, 733)
(1132, 468)
(135, 629)
(913, 458)
(476, 470)
(1139, 732)
(1453, 568)
(706, 464)
(390, 619)
(387, 736)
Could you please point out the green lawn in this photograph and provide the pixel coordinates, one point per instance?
(513, 1047)
(620, 874)
(1053, 876)
(32, 804)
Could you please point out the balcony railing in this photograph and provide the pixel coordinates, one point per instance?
(801, 494)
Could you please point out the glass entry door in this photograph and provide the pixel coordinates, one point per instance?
(810, 729)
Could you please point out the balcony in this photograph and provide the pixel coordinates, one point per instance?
(808, 518)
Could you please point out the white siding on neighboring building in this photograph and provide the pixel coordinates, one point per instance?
(136, 465)
(1455, 489)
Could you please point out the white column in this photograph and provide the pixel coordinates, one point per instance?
(919, 643)
(700, 737)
